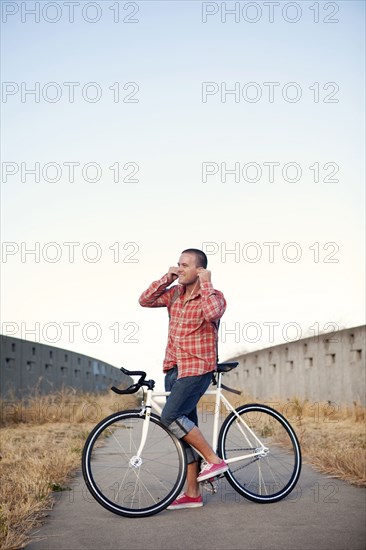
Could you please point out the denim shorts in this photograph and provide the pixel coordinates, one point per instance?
(180, 412)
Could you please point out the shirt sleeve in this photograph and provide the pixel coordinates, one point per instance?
(157, 295)
(213, 302)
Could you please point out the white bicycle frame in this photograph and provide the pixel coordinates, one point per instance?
(260, 451)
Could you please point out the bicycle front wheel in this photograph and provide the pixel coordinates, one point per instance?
(127, 484)
(262, 451)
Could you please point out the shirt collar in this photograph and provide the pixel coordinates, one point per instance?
(181, 291)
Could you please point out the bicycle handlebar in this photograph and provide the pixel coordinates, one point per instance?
(131, 389)
(151, 383)
(134, 387)
(134, 372)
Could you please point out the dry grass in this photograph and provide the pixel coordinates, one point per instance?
(332, 437)
(41, 444)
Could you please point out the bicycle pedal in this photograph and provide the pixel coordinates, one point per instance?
(210, 485)
(216, 478)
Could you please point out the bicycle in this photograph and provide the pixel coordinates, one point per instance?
(135, 467)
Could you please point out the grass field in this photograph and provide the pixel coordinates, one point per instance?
(42, 440)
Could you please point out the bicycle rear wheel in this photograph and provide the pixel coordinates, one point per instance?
(273, 463)
(124, 483)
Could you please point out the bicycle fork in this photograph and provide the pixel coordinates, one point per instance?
(136, 460)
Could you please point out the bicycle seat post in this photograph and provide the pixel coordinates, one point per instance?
(217, 410)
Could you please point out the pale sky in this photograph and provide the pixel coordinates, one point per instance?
(166, 126)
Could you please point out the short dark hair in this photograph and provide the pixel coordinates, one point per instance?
(201, 258)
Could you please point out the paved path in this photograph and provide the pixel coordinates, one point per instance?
(321, 514)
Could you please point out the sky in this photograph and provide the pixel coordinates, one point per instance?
(134, 130)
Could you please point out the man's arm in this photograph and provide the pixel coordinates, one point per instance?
(158, 295)
(213, 301)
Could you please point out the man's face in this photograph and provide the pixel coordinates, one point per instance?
(187, 270)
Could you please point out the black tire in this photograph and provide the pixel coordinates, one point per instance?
(138, 490)
(271, 475)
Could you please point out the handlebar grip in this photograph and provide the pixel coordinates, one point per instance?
(131, 389)
(133, 372)
(135, 387)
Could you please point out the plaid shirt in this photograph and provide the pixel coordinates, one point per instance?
(192, 338)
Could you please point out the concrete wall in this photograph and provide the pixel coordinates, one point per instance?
(27, 365)
(329, 367)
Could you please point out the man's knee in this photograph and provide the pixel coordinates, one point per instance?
(180, 427)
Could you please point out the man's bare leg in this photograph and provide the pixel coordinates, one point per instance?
(192, 487)
(196, 439)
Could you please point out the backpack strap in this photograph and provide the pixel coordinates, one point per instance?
(175, 297)
(216, 325)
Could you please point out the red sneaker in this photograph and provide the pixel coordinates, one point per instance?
(184, 501)
(212, 470)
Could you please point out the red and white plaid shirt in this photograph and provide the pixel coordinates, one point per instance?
(192, 338)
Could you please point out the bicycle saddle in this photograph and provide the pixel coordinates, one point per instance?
(226, 367)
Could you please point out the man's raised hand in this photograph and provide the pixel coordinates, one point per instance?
(172, 274)
(204, 275)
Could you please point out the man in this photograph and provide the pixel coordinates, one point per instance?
(194, 308)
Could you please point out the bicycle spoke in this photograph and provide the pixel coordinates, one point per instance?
(142, 485)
